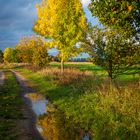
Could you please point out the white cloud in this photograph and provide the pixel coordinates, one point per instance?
(86, 2)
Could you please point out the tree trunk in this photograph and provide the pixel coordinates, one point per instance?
(110, 74)
(62, 66)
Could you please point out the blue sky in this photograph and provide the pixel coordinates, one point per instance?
(17, 18)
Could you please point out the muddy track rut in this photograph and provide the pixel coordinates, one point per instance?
(27, 126)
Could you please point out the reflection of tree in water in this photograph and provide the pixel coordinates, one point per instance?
(35, 97)
(56, 127)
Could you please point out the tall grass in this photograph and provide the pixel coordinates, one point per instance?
(69, 76)
(117, 114)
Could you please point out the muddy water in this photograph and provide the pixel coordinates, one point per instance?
(51, 122)
(39, 104)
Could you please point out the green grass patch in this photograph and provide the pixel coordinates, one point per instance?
(81, 66)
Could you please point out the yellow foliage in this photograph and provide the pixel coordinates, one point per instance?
(64, 22)
(130, 8)
(113, 20)
(27, 46)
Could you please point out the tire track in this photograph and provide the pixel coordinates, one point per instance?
(29, 125)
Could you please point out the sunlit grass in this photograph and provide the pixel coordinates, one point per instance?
(92, 103)
(83, 66)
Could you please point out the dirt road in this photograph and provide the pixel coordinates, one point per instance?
(28, 126)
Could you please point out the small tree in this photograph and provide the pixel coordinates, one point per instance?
(27, 46)
(33, 50)
(111, 50)
(64, 22)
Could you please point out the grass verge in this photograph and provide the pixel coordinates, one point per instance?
(92, 104)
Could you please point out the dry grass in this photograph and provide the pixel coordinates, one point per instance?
(32, 67)
(70, 75)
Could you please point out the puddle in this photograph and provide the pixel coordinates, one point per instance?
(51, 122)
(39, 103)
(57, 127)
(86, 137)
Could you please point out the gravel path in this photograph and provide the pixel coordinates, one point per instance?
(28, 126)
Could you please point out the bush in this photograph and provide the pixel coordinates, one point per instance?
(40, 57)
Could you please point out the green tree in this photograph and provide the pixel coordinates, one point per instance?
(64, 23)
(1, 56)
(122, 14)
(111, 50)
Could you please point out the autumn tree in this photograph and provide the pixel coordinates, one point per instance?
(111, 50)
(7, 55)
(63, 22)
(10, 55)
(27, 46)
(40, 56)
(1, 56)
(33, 50)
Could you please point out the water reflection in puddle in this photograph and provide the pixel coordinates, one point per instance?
(51, 123)
(39, 103)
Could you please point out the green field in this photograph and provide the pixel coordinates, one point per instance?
(80, 65)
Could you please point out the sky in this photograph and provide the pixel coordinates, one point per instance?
(17, 18)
